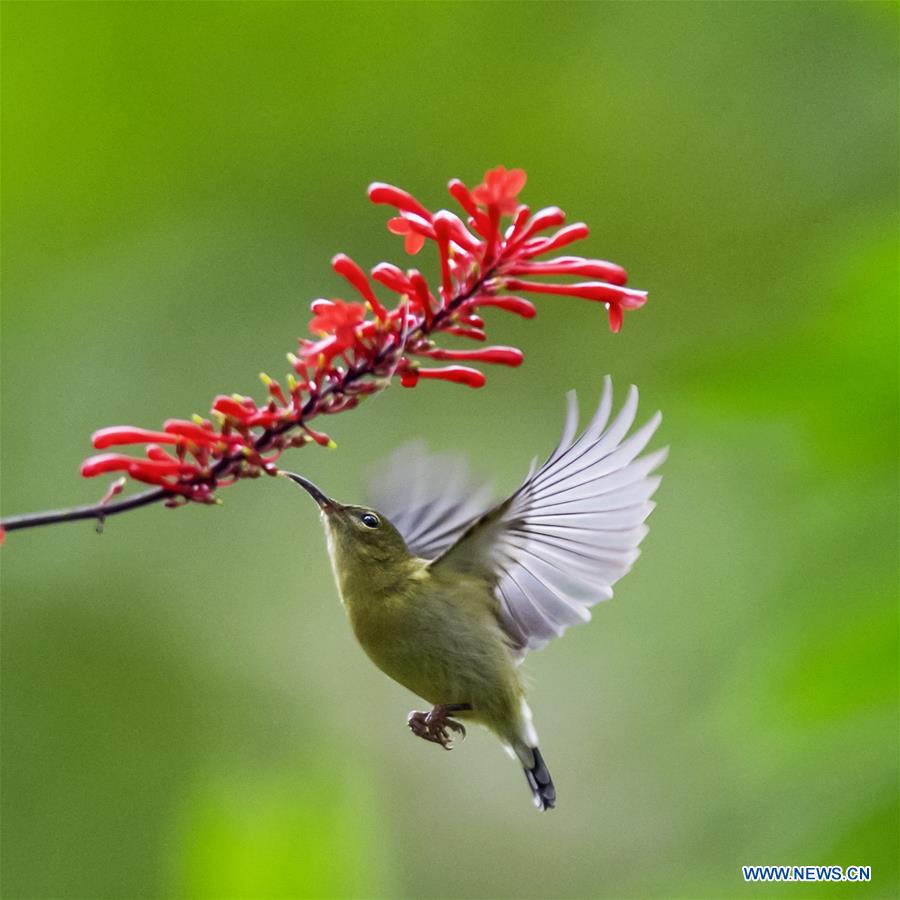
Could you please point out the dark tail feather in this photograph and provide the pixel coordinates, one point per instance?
(540, 782)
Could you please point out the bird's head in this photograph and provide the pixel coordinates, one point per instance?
(361, 541)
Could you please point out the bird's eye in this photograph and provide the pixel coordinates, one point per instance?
(370, 520)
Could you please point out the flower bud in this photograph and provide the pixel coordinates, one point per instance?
(456, 374)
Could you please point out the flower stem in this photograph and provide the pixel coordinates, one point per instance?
(96, 511)
(101, 511)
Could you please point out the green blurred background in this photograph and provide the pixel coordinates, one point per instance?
(184, 710)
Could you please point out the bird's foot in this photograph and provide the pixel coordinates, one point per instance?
(436, 726)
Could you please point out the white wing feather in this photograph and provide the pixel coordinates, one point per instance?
(572, 530)
(429, 498)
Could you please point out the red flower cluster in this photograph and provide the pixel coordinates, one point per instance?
(360, 346)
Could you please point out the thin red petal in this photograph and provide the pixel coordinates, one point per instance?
(394, 196)
(156, 452)
(518, 305)
(443, 228)
(199, 434)
(577, 231)
(461, 195)
(125, 434)
(228, 406)
(398, 225)
(456, 374)
(476, 334)
(573, 265)
(590, 290)
(615, 317)
(414, 242)
(118, 462)
(549, 217)
(515, 181)
(503, 356)
(343, 265)
(392, 277)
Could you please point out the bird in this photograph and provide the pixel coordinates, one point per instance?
(447, 591)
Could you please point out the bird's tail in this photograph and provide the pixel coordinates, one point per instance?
(525, 748)
(539, 780)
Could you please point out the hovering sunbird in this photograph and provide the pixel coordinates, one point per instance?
(446, 592)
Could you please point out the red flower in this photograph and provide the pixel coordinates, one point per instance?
(501, 356)
(500, 188)
(340, 320)
(414, 241)
(343, 265)
(364, 345)
(456, 374)
(109, 437)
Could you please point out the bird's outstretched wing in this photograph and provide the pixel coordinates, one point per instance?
(571, 531)
(429, 498)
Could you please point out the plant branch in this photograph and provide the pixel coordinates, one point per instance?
(96, 511)
(361, 346)
(101, 511)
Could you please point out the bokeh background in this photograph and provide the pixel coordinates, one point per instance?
(185, 713)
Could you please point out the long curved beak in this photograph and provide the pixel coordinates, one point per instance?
(325, 503)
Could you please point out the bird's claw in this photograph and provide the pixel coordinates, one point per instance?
(435, 726)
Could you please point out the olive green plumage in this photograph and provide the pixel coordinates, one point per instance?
(448, 594)
(433, 630)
